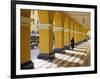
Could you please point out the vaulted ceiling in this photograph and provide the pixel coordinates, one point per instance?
(82, 18)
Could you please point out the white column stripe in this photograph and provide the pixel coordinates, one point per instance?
(58, 29)
(66, 30)
(44, 26)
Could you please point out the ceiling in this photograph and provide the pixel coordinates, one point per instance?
(82, 18)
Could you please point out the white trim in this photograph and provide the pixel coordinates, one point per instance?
(58, 28)
(79, 32)
(72, 30)
(66, 30)
(25, 19)
(44, 26)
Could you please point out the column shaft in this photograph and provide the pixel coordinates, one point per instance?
(66, 38)
(46, 41)
(58, 33)
(26, 62)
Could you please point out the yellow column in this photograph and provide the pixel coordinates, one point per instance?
(78, 34)
(46, 41)
(45, 36)
(81, 33)
(84, 34)
(58, 33)
(75, 34)
(26, 62)
(66, 34)
(74, 31)
(71, 29)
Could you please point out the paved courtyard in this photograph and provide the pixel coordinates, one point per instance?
(78, 57)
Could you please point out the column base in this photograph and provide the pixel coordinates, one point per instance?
(67, 47)
(76, 44)
(80, 42)
(85, 40)
(58, 50)
(27, 65)
(46, 56)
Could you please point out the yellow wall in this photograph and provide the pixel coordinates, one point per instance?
(25, 37)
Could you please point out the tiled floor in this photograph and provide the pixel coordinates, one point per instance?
(71, 58)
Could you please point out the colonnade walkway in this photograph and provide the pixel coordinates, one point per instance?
(56, 30)
(78, 57)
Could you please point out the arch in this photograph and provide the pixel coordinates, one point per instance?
(66, 22)
(46, 17)
(43, 17)
(58, 19)
(51, 16)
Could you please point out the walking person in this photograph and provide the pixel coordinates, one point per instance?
(72, 43)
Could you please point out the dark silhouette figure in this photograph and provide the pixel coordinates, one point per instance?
(72, 43)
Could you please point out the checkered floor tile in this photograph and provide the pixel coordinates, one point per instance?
(71, 58)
